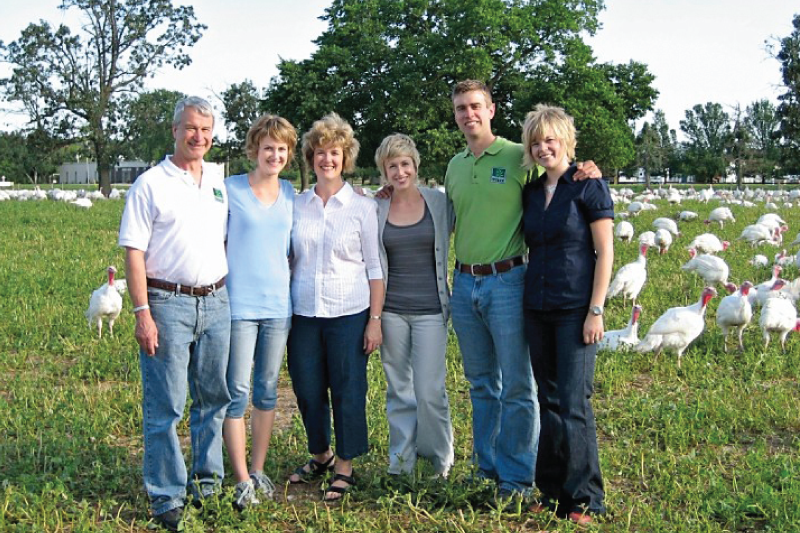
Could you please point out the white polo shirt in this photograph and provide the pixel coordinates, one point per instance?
(180, 227)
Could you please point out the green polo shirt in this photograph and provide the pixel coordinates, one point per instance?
(487, 198)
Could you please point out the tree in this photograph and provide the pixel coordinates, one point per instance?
(31, 156)
(80, 78)
(148, 125)
(762, 122)
(604, 99)
(789, 106)
(389, 65)
(650, 154)
(707, 129)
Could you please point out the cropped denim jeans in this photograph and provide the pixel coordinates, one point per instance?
(193, 344)
(256, 345)
(327, 354)
(568, 468)
(488, 320)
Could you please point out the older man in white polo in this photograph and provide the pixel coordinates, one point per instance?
(173, 230)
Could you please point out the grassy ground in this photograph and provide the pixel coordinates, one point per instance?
(713, 447)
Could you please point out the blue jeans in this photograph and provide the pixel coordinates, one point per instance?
(193, 343)
(488, 320)
(256, 345)
(328, 354)
(568, 468)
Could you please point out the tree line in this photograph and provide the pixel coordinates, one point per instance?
(386, 66)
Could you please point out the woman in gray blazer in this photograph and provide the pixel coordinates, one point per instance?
(414, 227)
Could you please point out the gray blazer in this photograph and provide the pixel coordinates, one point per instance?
(443, 223)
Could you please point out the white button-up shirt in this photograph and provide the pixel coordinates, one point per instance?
(335, 253)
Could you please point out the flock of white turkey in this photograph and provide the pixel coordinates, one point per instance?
(678, 327)
(78, 198)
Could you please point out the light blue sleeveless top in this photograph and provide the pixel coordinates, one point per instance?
(258, 251)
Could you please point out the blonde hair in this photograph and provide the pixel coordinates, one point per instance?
(544, 120)
(468, 86)
(274, 127)
(395, 145)
(331, 130)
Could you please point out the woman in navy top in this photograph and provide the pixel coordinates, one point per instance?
(568, 229)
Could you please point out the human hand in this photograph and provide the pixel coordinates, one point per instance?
(373, 336)
(593, 329)
(587, 169)
(385, 192)
(146, 332)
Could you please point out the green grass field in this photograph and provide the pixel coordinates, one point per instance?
(711, 447)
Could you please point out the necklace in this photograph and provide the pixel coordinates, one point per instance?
(550, 189)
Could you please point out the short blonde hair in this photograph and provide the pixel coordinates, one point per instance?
(395, 145)
(467, 86)
(331, 130)
(544, 120)
(274, 127)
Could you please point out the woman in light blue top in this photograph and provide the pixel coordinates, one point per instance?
(259, 231)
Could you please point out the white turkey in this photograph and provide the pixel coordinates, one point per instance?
(663, 240)
(783, 259)
(106, 303)
(721, 215)
(630, 278)
(623, 339)
(757, 234)
(735, 312)
(667, 224)
(648, 238)
(778, 315)
(759, 294)
(708, 243)
(677, 327)
(687, 215)
(711, 268)
(759, 260)
(624, 231)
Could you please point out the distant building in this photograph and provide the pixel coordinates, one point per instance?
(123, 172)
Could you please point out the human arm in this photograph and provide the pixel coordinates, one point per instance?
(373, 336)
(587, 169)
(385, 192)
(146, 330)
(602, 237)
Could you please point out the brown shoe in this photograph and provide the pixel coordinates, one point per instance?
(582, 519)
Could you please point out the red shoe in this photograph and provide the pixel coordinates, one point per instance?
(581, 519)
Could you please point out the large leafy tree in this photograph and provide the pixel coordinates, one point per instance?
(60, 75)
(761, 123)
(789, 106)
(708, 134)
(32, 156)
(389, 65)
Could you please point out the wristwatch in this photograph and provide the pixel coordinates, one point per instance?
(596, 310)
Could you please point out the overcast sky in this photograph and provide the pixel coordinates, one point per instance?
(699, 50)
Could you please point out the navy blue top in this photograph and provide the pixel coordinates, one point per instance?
(561, 267)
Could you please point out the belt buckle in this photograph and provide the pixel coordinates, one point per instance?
(472, 270)
(191, 291)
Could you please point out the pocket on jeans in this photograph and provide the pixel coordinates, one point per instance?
(157, 296)
(515, 276)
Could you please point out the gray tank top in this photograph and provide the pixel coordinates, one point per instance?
(411, 288)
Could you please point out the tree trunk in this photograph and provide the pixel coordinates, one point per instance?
(104, 172)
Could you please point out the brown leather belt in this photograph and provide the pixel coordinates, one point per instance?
(185, 289)
(497, 267)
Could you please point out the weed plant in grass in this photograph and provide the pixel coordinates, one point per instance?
(712, 447)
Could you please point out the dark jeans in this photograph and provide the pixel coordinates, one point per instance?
(567, 467)
(328, 354)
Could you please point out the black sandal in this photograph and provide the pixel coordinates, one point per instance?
(316, 470)
(341, 491)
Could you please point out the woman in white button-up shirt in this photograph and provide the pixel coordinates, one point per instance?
(337, 296)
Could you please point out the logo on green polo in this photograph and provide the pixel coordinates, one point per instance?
(498, 175)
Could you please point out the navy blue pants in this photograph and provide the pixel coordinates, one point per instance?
(327, 354)
(567, 466)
